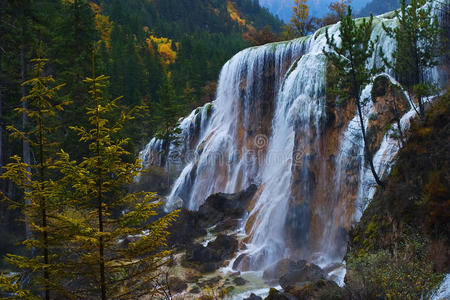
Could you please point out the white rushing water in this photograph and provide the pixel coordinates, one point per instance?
(443, 293)
(265, 127)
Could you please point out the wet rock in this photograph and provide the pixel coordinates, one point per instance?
(300, 273)
(332, 267)
(211, 282)
(253, 297)
(209, 267)
(224, 246)
(389, 104)
(279, 269)
(318, 290)
(220, 206)
(185, 230)
(227, 224)
(153, 179)
(176, 284)
(201, 254)
(239, 281)
(242, 263)
(210, 258)
(222, 210)
(298, 224)
(275, 294)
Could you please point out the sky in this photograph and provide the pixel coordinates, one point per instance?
(318, 8)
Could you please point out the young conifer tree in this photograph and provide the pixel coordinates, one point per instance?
(167, 113)
(417, 51)
(117, 244)
(34, 179)
(351, 72)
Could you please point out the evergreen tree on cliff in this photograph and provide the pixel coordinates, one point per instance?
(168, 111)
(417, 49)
(351, 74)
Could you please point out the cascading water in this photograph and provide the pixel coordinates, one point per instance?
(272, 125)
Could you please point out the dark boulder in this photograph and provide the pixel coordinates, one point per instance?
(219, 207)
(239, 281)
(201, 254)
(275, 294)
(253, 297)
(210, 258)
(279, 269)
(185, 229)
(176, 285)
(300, 273)
(318, 290)
(222, 210)
(224, 246)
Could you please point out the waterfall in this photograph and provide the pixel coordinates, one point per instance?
(272, 125)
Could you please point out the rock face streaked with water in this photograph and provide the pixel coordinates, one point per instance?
(273, 125)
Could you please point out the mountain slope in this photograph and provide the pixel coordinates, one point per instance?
(318, 8)
(377, 7)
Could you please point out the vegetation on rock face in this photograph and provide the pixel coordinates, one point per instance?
(400, 246)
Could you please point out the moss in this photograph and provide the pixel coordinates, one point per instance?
(209, 107)
(293, 67)
(423, 132)
(321, 31)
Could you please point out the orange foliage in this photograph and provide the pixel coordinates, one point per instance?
(300, 16)
(164, 48)
(234, 14)
(105, 26)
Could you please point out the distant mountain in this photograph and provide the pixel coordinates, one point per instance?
(377, 7)
(318, 8)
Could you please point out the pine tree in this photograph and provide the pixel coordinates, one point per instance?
(71, 48)
(167, 112)
(34, 179)
(189, 100)
(417, 49)
(351, 74)
(115, 247)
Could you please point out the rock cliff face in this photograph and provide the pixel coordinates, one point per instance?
(273, 125)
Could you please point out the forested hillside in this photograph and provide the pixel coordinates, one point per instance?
(138, 43)
(377, 7)
(164, 54)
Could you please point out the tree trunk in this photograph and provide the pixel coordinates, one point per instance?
(99, 191)
(399, 124)
(1, 115)
(367, 153)
(44, 206)
(25, 144)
